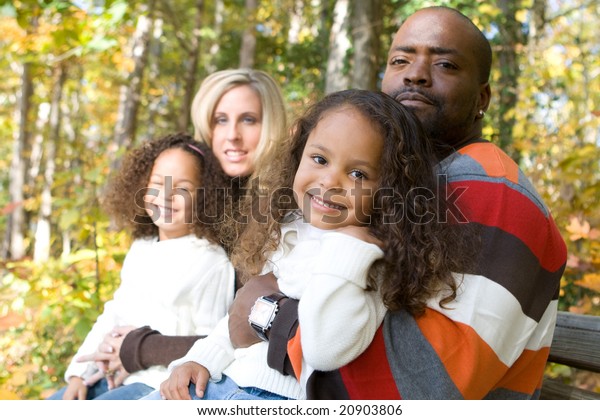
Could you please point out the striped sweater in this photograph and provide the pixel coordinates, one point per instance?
(493, 340)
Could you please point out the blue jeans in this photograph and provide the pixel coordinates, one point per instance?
(226, 389)
(100, 391)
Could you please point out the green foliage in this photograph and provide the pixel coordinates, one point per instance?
(46, 310)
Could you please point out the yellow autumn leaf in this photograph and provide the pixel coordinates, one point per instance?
(8, 395)
(590, 281)
(578, 229)
(18, 378)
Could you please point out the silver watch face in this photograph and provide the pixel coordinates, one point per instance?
(262, 313)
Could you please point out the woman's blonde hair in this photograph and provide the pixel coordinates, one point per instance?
(214, 86)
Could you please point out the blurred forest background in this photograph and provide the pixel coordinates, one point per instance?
(82, 81)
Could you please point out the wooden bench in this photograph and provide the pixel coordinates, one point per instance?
(576, 344)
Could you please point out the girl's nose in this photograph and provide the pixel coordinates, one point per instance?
(330, 180)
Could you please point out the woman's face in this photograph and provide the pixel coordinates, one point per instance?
(237, 126)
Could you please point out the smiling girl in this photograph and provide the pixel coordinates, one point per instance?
(176, 277)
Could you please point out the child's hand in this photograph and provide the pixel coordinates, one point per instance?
(107, 358)
(362, 233)
(76, 389)
(176, 387)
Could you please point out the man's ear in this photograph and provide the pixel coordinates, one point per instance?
(485, 95)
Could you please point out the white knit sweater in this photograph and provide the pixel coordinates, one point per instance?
(181, 286)
(327, 272)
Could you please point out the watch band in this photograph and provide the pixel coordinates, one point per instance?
(261, 330)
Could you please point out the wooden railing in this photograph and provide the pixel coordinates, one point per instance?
(576, 344)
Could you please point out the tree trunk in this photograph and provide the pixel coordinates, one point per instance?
(131, 91)
(154, 102)
(248, 47)
(41, 250)
(191, 69)
(366, 31)
(214, 49)
(509, 74)
(14, 243)
(337, 77)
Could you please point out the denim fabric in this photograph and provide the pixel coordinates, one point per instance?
(99, 391)
(226, 389)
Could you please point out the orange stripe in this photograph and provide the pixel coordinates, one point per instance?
(497, 164)
(470, 362)
(527, 373)
(294, 350)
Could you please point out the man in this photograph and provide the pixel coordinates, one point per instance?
(493, 340)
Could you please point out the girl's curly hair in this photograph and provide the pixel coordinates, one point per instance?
(421, 248)
(124, 196)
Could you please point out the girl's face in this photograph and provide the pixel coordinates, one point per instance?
(171, 193)
(339, 170)
(237, 125)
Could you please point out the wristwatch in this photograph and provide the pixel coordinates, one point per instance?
(263, 313)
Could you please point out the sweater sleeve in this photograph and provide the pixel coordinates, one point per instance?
(215, 352)
(144, 347)
(338, 316)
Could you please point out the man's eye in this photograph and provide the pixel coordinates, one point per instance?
(447, 65)
(398, 60)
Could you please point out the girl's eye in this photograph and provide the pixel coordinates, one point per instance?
(220, 120)
(355, 173)
(249, 120)
(320, 160)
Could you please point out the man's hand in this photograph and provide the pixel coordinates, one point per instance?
(241, 333)
(176, 387)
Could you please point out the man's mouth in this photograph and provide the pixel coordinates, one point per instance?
(408, 98)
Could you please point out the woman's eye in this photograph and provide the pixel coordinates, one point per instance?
(220, 120)
(319, 160)
(249, 120)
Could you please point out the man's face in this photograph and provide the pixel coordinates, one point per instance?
(432, 69)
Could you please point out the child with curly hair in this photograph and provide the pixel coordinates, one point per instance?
(176, 278)
(346, 215)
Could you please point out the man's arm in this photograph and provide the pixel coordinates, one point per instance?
(240, 332)
(145, 347)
